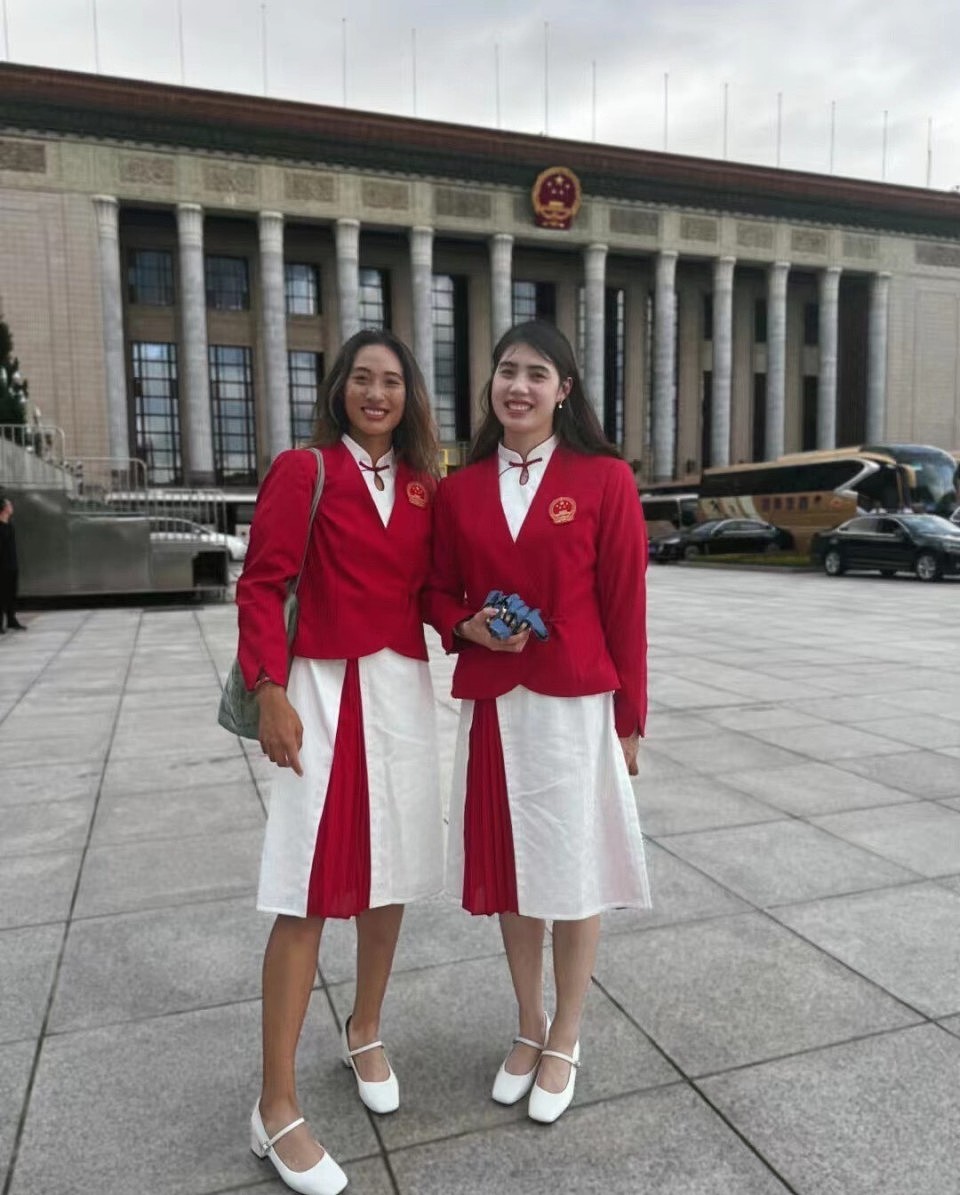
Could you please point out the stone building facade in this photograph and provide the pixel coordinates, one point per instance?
(179, 265)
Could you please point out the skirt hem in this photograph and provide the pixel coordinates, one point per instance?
(380, 904)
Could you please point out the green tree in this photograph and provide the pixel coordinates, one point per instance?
(13, 387)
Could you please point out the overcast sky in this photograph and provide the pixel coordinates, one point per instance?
(866, 56)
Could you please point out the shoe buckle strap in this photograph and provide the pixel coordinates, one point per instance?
(526, 1041)
(565, 1057)
(374, 1045)
(267, 1145)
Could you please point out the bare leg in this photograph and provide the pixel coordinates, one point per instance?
(523, 940)
(377, 934)
(574, 956)
(289, 972)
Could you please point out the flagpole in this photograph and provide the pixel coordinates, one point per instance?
(546, 78)
(666, 108)
(413, 46)
(263, 44)
(726, 114)
(594, 64)
(6, 33)
(96, 38)
(779, 125)
(183, 72)
(833, 131)
(929, 150)
(343, 58)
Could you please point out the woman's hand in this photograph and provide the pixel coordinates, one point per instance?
(477, 631)
(281, 731)
(630, 746)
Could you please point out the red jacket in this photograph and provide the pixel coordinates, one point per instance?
(360, 587)
(585, 573)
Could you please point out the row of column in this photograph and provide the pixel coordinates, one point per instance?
(194, 368)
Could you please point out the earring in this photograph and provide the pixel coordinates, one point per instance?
(560, 405)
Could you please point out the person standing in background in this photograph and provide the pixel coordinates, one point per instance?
(9, 570)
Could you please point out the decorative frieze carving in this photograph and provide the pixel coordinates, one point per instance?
(149, 171)
(755, 236)
(458, 201)
(633, 222)
(864, 248)
(808, 240)
(241, 180)
(698, 228)
(386, 196)
(26, 157)
(314, 188)
(930, 254)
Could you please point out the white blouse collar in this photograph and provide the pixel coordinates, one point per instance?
(544, 451)
(361, 456)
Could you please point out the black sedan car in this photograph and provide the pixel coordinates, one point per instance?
(720, 537)
(926, 545)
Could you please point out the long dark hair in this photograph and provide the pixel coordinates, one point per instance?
(414, 438)
(575, 425)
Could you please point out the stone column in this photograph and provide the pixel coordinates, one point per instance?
(776, 358)
(595, 277)
(501, 283)
(348, 276)
(195, 413)
(273, 317)
(827, 384)
(722, 360)
(111, 300)
(877, 358)
(421, 273)
(664, 366)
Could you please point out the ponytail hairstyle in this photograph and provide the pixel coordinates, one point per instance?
(414, 438)
(575, 424)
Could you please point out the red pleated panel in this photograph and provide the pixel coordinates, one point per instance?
(489, 872)
(340, 876)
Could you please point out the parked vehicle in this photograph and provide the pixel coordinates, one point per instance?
(720, 537)
(926, 545)
(164, 528)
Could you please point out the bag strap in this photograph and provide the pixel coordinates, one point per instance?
(317, 491)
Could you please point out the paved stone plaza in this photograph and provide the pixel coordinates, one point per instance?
(786, 1019)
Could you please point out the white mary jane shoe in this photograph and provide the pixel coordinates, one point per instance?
(326, 1178)
(381, 1097)
(509, 1088)
(548, 1106)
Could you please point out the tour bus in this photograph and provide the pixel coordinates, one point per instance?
(809, 492)
(664, 513)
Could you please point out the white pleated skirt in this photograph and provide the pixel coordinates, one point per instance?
(405, 813)
(577, 843)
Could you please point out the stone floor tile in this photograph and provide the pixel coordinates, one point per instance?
(923, 836)
(668, 1142)
(133, 966)
(827, 742)
(689, 801)
(680, 893)
(42, 828)
(37, 888)
(46, 782)
(784, 861)
(735, 990)
(662, 725)
(16, 1063)
(927, 730)
(170, 1099)
(907, 940)
(952, 1025)
(143, 875)
(748, 718)
(172, 813)
(812, 788)
(874, 1117)
(449, 1028)
(726, 751)
(228, 766)
(15, 752)
(28, 960)
(434, 932)
(927, 774)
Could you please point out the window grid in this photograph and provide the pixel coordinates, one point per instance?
(305, 371)
(150, 277)
(445, 357)
(374, 299)
(302, 288)
(156, 410)
(227, 284)
(234, 423)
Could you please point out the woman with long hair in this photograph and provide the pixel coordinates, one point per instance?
(543, 823)
(355, 824)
